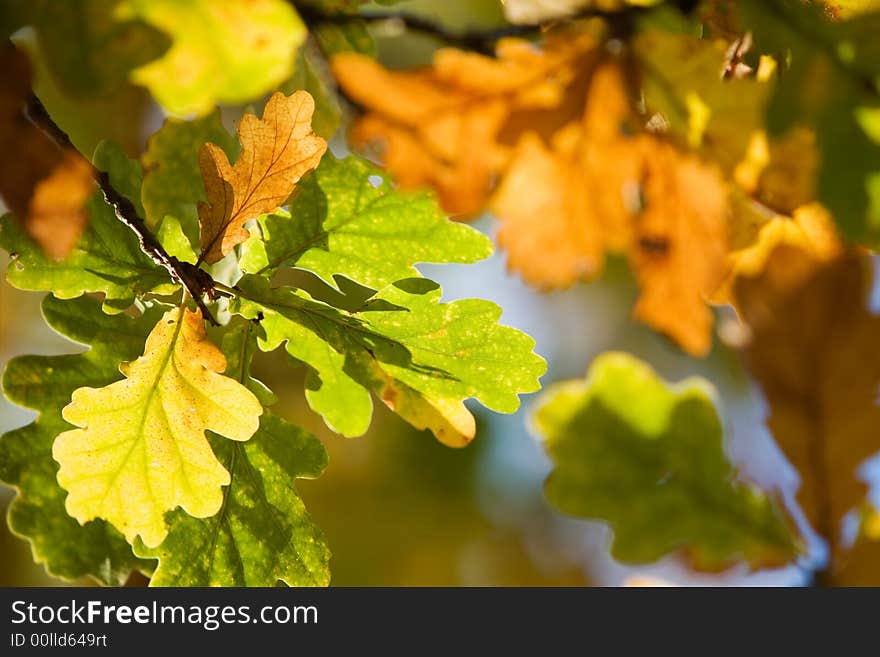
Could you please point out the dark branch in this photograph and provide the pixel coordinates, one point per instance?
(196, 281)
(476, 40)
(482, 41)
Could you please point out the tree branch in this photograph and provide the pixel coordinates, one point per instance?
(482, 41)
(478, 40)
(196, 281)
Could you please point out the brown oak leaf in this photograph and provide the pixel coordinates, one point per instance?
(813, 351)
(276, 151)
(46, 186)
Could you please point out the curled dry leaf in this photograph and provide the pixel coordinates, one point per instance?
(276, 151)
(810, 229)
(45, 186)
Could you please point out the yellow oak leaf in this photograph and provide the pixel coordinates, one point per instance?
(276, 151)
(441, 126)
(813, 352)
(448, 419)
(140, 449)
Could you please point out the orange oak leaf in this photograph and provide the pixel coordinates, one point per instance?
(276, 151)
(441, 126)
(46, 186)
(563, 205)
(601, 186)
(679, 245)
(813, 352)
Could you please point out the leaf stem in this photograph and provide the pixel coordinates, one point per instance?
(196, 281)
(226, 290)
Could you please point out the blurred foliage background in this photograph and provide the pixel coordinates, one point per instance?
(398, 508)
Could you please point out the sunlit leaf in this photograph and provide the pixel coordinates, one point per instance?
(221, 52)
(45, 383)
(348, 219)
(276, 152)
(140, 449)
(262, 533)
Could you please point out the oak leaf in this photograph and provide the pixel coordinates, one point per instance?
(348, 219)
(262, 533)
(646, 457)
(221, 52)
(140, 449)
(551, 140)
(563, 206)
(597, 189)
(67, 548)
(679, 246)
(45, 186)
(276, 151)
(441, 125)
(813, 353)
(421, 357)
(810, 228)
(107, 259)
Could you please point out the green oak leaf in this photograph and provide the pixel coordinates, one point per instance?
(86, 48)
(172, 178)
(348, 219)
(832, 77)
(312, 75)
(352, 36)
(172, 238)
(107, 258)
(421, 357)
(222, 52)
(262, 533)
(45, 384)
(334, 35)
(647, 458)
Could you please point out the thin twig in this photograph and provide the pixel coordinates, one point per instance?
(196, 281)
